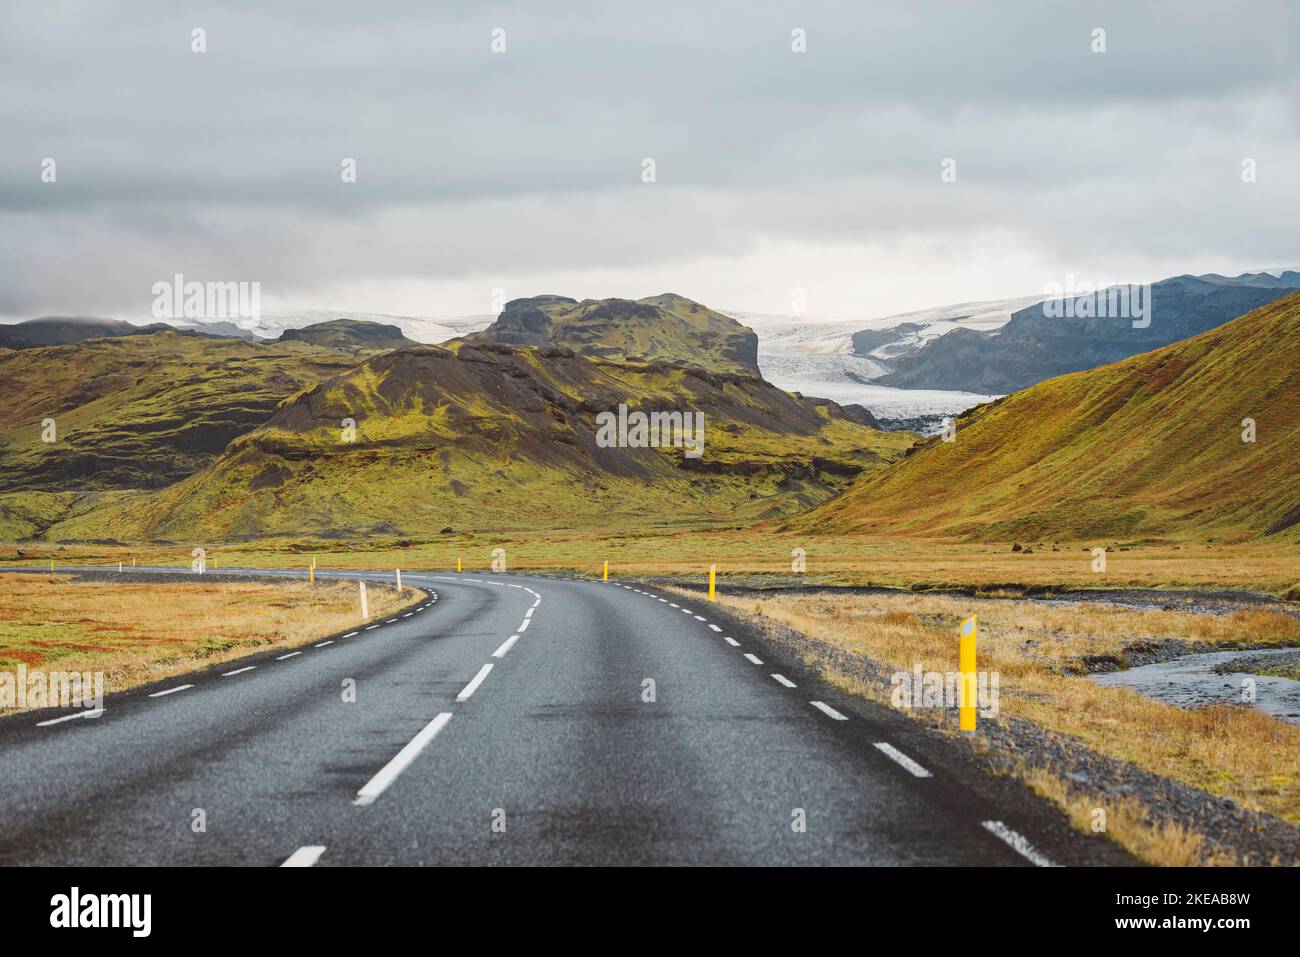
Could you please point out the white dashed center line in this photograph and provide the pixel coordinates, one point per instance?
(523, 626)
(388, 774)
(305, 856)
(505, 646)
(470, 688)
(903, 759)
(783, 680)
(1018, 842)
(827, 710)
(754, 659)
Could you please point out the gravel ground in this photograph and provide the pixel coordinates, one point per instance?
(1147, 599)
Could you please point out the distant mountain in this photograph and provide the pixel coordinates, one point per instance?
(667, 328)
(349, 335)
(1034, 346)
(843, 359)
(1149, 446)
(487, 436)
(417, 329)
(141, 411)
(866, 341)
(65, 330)
(215, 327)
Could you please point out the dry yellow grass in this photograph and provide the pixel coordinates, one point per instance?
(139, 632)
(1166, 845)
(1235, 752)
(1272, 566)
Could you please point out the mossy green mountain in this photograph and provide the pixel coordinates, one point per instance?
(666, 328)
(1151, 446)
(479, 435)
(134, 412)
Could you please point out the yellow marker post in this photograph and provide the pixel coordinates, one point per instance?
(713, 581)
(458, 563)
(51, 564)
(604, 575)
(966, 688)
(311, 573)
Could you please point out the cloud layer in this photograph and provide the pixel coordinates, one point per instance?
(522, 170)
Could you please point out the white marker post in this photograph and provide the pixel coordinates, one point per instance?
(399, 579)
(365, 609)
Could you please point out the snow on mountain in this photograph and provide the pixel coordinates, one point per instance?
(816, 356)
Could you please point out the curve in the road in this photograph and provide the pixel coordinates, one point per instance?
(505, 720)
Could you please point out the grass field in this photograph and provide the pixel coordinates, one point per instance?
(1234, 752)
(139, 632)
(755, 556)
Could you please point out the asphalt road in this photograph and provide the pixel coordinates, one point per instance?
(505, 722)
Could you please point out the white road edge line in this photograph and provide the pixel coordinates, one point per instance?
(753, 658)
(289, 655)
(389, 772)
(477, 680)
(351, 634)
(323, 644)
(1018, 843)
(159, 694)
(715, 627)
(305, 856)
(783, 680)
(731, 641)
(238, 671)
(827, 710)
(505, 646)
(902, 759)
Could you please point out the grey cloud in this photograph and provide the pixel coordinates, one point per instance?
(471, 163)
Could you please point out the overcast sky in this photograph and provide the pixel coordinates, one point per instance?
(522, 170)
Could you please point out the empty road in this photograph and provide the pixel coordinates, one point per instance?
(510, 719)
